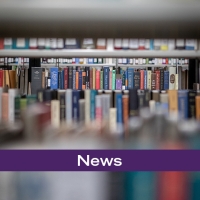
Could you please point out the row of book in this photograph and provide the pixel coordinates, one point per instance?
(108, 78)
(101, 43)
(129, 61)
(115, 107)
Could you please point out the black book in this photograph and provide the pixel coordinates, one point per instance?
(62, 106)
(161, 79)
(141, 98)
(136, 79)
(191, 104)
(87, 78)
(70, 78)
(147, 97)
(133, 102)
(36, 79)
(193, 73)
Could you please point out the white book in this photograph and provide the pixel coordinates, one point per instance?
(171, 44)
(149, 79)
(176, 81)
(55, 113)
(87, 106)
(12, 93)
(1, 91)
(33, 42)
(105, 106)
(68, 104)
(172, 77)
(81, 110)
(152, 106)
(113, 120)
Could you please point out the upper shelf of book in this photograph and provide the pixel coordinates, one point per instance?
(101, 53)
(100, 18)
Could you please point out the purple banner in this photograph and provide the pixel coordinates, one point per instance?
(99, 160)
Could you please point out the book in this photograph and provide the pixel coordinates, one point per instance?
(125, 104)
(62, 106)
(36, 79)
(41, 43)
(180, 44)
(133, 102)
(91, 78)
(88, 43)
(156, 95)
(80, 79)
(197, 102)
(72, 43)
(153, 81)
(75, 105)
(33, 44)
(70, 78)
(74, 79)
(183, 104)
(53, 43)
(82, 110)
(113, 120)
(77, 80)
(66, 72)
(161, 79)
(166, 80)
(83, 80)
(125, 43)
(173, 101)
(98, 110)
(117, 44)
(1, 78)
(68, 104)
(1, 91)
(136, 80)
(87, 106)
(191, 104)
(93, 93)
(190, 44)
(20, 43)
(94, 78)
(17, 108)
(118, 82)
(101, 79)
(149, 79)
(141, 98)
(113, 78)
(87, 77)
(106, 78)
(141, 45)
(54, 77)
(110, 78)
(133, 44)
(4, 107)
(141, 79)
(145, 79)
(130, 78)
(172, 72)
(55, 113)
(7, 43)
(101, 43)
(157, 79)
(60, 43)
(97, 80)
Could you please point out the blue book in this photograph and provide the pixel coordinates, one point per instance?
(74, 79)
(145, 79)
(106, 78)
(126, 79)
(93, 93)
(151, 44)
(20, 43)
(77, 60)
(62, 79)
(130, 78)
(54, 77)
(119, 108)
(59, 79)
(75, 105)
(90, 60)
(80, 80)
(166, 80)
(183, 104)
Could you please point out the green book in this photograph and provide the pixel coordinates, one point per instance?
(23, 104)
(147, 61)
(113, 79)
(17, 107)
(31, 99)
(101, 79)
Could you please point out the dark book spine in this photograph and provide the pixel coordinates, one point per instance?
(106, 78)
(54, 77)
(136, 80)
(161, 79)
(36, 79)
(130, 78)
(153, 81)
(62, 107)
(91, 78)
(80, 80)
(62, 79)
(75, 105)
(133, 102)
(17, 107)
(87, 77)
(147, 97)
(74, 79)
(70, 78)
(141, 98)
(59, 79)
(193, 73)
(66, 78)
(191, 104)
(166, 80)
(183, 104)
(119, 108)
(157, 79)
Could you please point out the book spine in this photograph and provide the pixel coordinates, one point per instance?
(191, 104)
(87, 106)
(183, 104)
(130, 78)
(74, 79)
(17, 107)
(119, 109)
(80, 80)
(149, 79)
(122, 72)
(55, 113)
(126, 79)
(59, 80)
(75, 105)
(87, 78)
(176, 81)
(141, 79)
(62, 107)
(125, 113)
(145, 79)
(92, 104)
(68, 104)
(43, 80)
(101, 80)
(136, 80)
(91, 78)
(1, 78)
(113, 120)
(98, 109)
(97, 79)
(113, 79)
(133, 102)
(110, 79)
(70, 85)
(173, 101)
(106, 78)
(197, 101)
(83, 80)
(77, 80)
(161, 79)
(36, 79)
(82, 110)
(166, 80)
(153, 81)
(94, 78)
(1, 107)
(54, 78)
(157, 79)
(172, 72)
(66, 77)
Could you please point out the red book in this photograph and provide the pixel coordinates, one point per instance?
(66, 70)
(141, 44)
(97, 79)
(157, 79)
(167, 61)
(91, 78)
(1, 43)
(141, 79)
(1, 78)
(117, 44)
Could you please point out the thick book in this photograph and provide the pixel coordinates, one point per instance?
(83, 80)
(166, 80)
(106, 78)
(113, 120)
(197, 101)
(133, 102)
(93, 93)
(66, 71)
(172, 77)
(54, 77)
(136, 80)
(70, 78)
(118, 82)
(87, 77)
(141, 79)
(113, 78)
(173, 101)
(36, 79)
(183, 104)
(101, 43)
(130, 78)
(101, 79)
(55, 113)
(94, 78)
(97, 79)
(161, 79)
(110, 79)
(157, 79)
(123, 77)
(145, 79)
(72, 43)
(59, 79)
(153, 81)
(80, 79)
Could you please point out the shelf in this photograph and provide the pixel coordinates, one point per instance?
(82, 53)
(121, 18)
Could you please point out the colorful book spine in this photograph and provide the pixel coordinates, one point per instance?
(74, 79)
(126, 79)
(101, 79)
(113, 79)
(68, 104)
(173, 101)
(145, 79)
(87, 77)
(80, 79)
(123, 76)
(119, 109)
(161, 79)
(153, 81)
(149, 79)
(55, 113)
(77, 80)
(166, 80)
(54, 77)
(93, 93)
(172, 72)
(183, 104)
(130, 78)
(97, 79)
(62, 107)
(197, 101)
(110, 79)
(157, 79)
(94, 78)
(75, 105)
(141, 79)
(106, 78)
(1, 78)
(83, 80)
(91, 78)
(59, 79)
(136, 78)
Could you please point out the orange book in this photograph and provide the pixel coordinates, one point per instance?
(125, 103)
(83, 80)
(173, 101)
(141, 79)
(77, 77)
(197, 102)
(4, 107)
(6, 79)
(1, 43)
(12, 77)
(97, 79)
(157, 79)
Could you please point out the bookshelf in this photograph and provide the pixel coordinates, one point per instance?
(101, 53)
